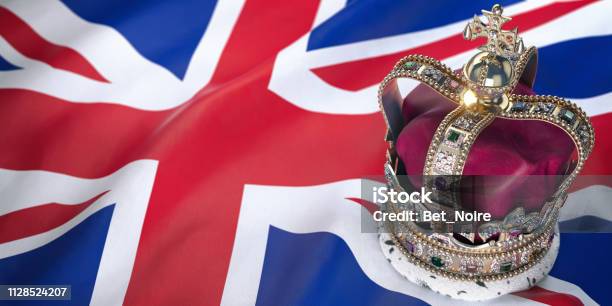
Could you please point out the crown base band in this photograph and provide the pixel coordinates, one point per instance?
(469, 290)
(452, 263)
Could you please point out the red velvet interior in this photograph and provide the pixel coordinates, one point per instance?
(512, 148)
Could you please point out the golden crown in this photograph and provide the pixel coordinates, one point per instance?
(482, 91)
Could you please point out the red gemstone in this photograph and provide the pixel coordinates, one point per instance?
(471, 268)
(515, 233)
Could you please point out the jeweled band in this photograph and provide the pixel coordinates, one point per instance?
(452, 141)
(437, 256)
(441, 253)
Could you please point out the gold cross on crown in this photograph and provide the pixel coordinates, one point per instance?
(499, 41)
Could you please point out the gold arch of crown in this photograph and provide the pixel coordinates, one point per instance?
(451, 145)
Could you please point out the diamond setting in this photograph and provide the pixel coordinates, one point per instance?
(418, 249)
(433, 73)
(544, 108)
(467, 121)
(583, 134)
(524, 257)
(519, 107)
(444, 162)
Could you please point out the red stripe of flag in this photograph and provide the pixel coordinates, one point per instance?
(23, 38)
(39, 219)
(546, 296)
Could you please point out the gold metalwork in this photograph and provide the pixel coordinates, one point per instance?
(488, 69)
(498, 41)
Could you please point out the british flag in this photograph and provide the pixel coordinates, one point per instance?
(206, 153)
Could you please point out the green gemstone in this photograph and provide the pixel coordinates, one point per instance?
(410, 65)
(568, 116)
(505, 266)
(437, 261)
(453, 136)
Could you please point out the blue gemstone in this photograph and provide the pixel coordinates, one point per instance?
(440, 183)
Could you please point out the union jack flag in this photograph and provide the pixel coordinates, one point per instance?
(209, 152)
